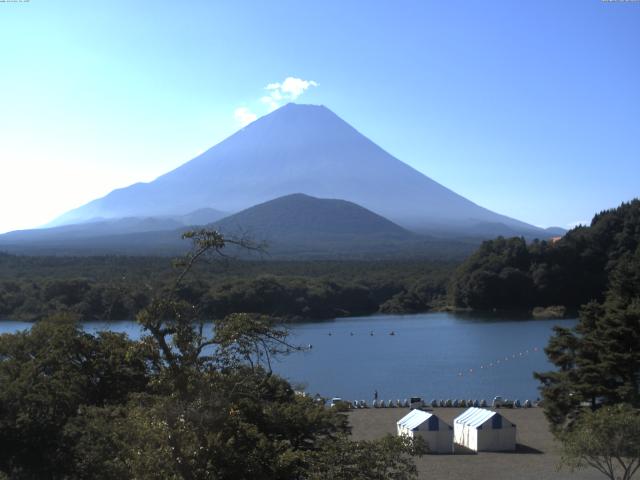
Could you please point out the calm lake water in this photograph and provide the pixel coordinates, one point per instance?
(433, 355)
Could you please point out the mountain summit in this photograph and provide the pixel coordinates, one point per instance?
(297, 148)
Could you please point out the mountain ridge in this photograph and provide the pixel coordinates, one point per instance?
(295, 226)
(120, 226)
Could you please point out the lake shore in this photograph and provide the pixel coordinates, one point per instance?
(536, 457)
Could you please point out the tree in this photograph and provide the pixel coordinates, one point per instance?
(607, 440)
(47, 375)
(598, 360)
(193, 399)
(388, 458)
(560, 402)
(222, 413)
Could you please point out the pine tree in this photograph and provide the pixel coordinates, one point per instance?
(599, 360)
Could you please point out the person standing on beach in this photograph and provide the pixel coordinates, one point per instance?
(375, 395)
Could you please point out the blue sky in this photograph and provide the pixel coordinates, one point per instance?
(529, 108)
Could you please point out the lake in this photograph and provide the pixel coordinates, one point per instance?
(433, 355)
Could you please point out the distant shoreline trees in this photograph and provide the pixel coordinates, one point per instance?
(117, 288)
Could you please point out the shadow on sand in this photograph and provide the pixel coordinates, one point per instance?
(520, 449)
(527, 449)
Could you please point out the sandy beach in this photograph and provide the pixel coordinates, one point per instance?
(536, 457)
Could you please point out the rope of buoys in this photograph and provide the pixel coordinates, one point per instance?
(392, 333)
(498, 361)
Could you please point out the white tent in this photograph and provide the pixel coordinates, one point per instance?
(483, 430)
(437, 434)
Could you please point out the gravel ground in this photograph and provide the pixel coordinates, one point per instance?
(536, 457)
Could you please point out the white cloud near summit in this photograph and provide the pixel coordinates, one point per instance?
(288, 90)
(292, 87)
(277, 94)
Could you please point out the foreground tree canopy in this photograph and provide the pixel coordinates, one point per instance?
(607, 440)
(177, 404)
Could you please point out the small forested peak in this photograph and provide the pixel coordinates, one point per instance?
(302, 216)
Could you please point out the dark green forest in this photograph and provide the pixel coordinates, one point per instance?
(592, 396)
(116, 288)
(598, 361)
(503, 274)
(512, 274)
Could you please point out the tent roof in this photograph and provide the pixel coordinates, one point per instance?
(474, 417)
(414, 419)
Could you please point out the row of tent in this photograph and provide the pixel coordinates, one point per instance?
(477, 429)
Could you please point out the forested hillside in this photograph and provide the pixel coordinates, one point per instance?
(511, 274)
(115, 288)
(501, 274)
